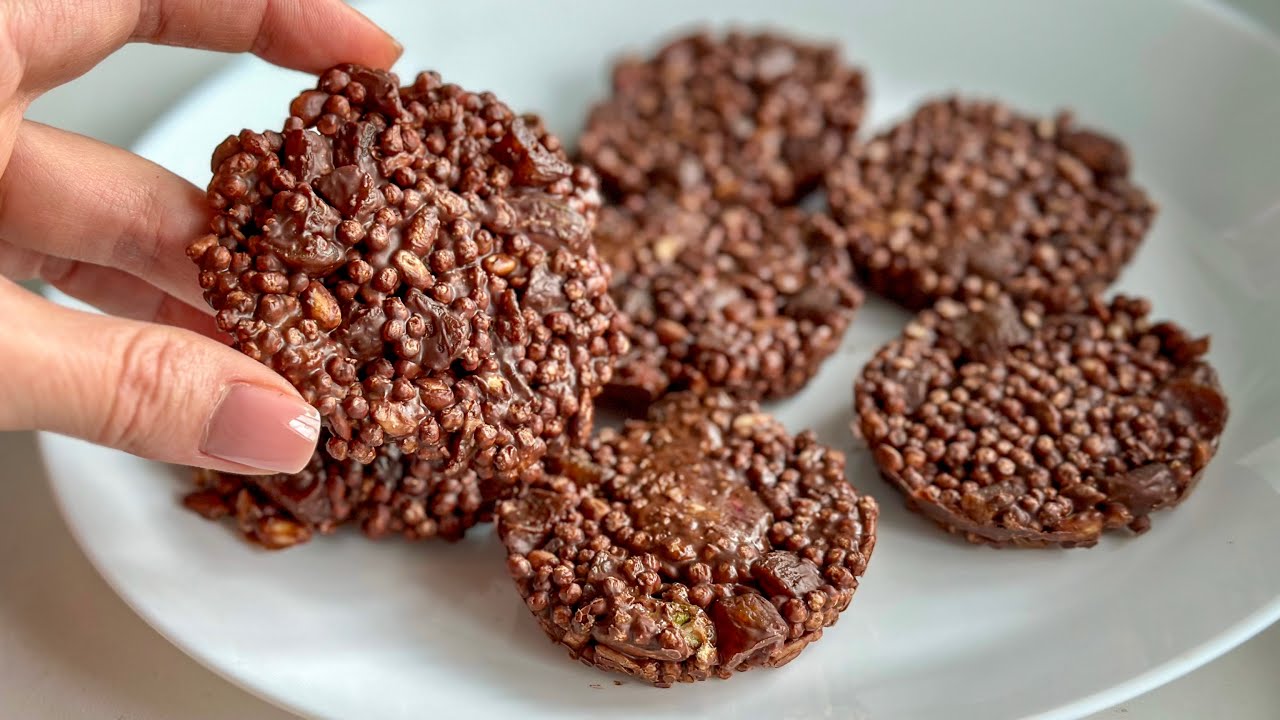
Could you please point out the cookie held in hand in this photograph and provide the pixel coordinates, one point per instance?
(417, 261)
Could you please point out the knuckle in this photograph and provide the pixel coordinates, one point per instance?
(18, 263)
(56, 271)
(143, 378)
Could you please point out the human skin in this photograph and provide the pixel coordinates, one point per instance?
(149, 377)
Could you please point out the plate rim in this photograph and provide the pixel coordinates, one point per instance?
(1183, 663)
(44, 441)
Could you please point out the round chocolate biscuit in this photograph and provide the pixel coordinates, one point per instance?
(396, 494)
(750, 301)
(702, 541)
(971, 199)
(418, 262)
(738, 117)
(1039, 427)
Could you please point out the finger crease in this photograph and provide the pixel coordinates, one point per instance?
(154, 17)
(12, 59)
(144, 360)
(11, 63)
(262, 38)
(139, 246)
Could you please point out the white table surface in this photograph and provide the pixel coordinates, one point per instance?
(70, 648)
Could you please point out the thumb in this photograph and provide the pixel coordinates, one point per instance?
(156, 391)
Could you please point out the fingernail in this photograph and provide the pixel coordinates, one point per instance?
(262, 428)
(399, 48)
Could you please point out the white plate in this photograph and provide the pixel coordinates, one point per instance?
(940, 629)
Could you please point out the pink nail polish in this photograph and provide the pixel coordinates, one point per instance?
(262, 428)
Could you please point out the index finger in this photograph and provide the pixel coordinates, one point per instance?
(60, 39)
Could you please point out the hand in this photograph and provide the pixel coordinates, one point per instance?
(110, 228)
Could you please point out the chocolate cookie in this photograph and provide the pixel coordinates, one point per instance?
(395, 494)
(702, 541)
(1033, 427)
(745, 300)
(738, 117)
(970, 199)
(418, 262)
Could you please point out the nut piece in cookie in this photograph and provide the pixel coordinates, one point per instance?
(417, 261)
(702, 541)
(1039, 427)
